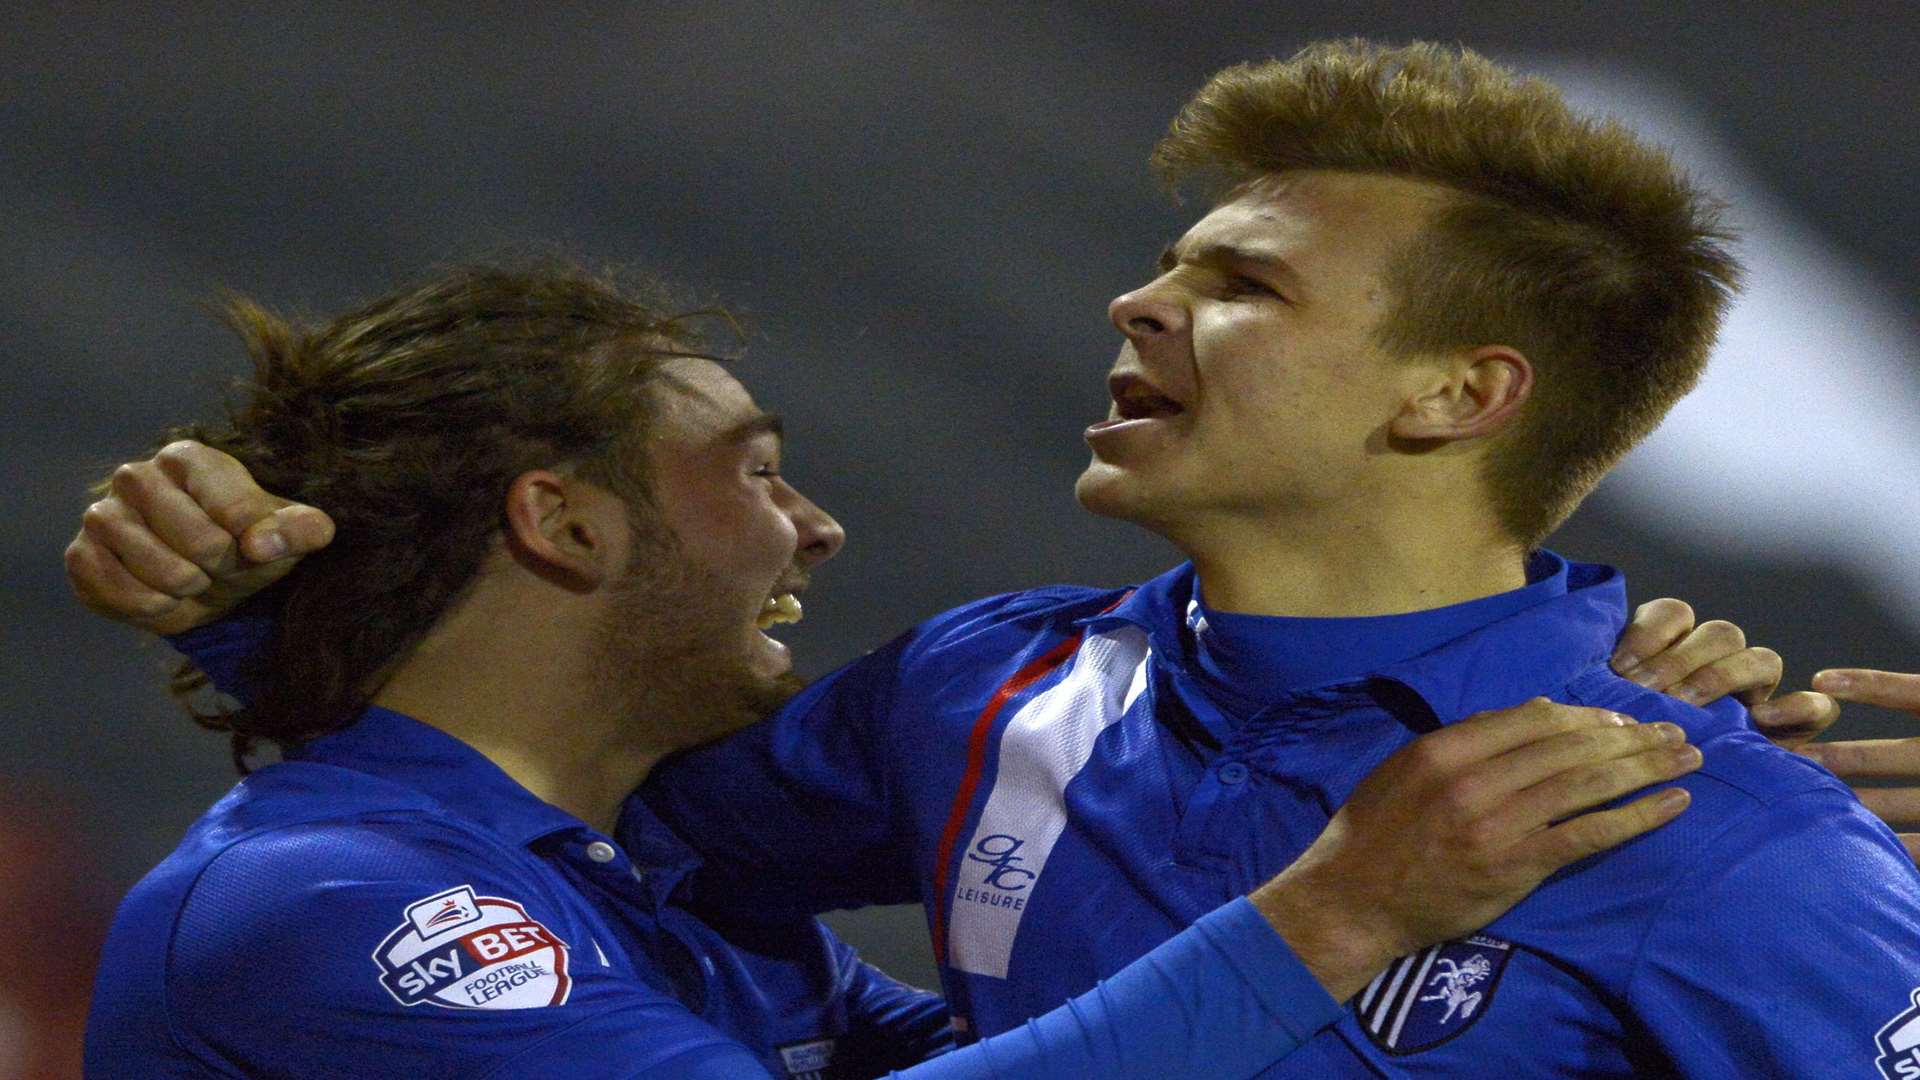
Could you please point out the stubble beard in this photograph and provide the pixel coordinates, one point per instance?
(673, 652)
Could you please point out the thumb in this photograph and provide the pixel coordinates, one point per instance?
(291, 531)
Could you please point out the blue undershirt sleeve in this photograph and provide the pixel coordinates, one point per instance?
(1224, 998)
(221, 650)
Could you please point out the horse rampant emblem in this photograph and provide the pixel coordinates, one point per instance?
(1454, 979)
(1425, 999)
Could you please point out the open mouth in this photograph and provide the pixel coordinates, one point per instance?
(781, 608)
(1134, 398)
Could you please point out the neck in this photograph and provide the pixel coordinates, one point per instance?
(521, 691)
(1379, 565)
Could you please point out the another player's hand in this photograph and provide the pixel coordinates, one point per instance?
(1457, 827)
(182, 538)
(1895, 761)
(1662, 649)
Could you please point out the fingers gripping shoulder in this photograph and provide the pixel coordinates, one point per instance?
(1740, 771)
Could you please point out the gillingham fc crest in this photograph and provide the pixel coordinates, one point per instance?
(461, 951)
(1899, 1043)
(1423, 1000)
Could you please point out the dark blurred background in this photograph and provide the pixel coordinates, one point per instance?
(923, 209)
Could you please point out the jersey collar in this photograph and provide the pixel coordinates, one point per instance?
(400, 749)
(1158, 607)
(1509, 661)
(1498, 665)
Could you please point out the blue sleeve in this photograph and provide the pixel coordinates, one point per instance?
(796, 815)
(299, 952)
(221, 650)
(807, 811)
(1223, 998)
(891, 1025)
(1790, 952)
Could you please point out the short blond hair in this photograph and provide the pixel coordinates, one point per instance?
(1568, 238)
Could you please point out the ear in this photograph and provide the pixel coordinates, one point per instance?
(565, 529)
(1475, 393)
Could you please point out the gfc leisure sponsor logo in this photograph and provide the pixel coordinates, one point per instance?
(1043, 746)
(461, 951)
(1001, 886)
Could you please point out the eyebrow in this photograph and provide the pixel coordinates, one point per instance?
(1219, 254)
(765, 423)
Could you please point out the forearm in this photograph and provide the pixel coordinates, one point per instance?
(1224, 998)
(1329, 939)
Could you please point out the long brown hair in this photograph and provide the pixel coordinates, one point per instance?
(406, 421)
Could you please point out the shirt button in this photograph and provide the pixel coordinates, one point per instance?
(639, 875)
(601, 851)
(1233, 772)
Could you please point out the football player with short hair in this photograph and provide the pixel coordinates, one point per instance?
(558, 530)
(1429, 307)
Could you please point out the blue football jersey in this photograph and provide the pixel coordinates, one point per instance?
(388, 902)
(1043, 771)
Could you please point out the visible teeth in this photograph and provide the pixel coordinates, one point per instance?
(784, 608)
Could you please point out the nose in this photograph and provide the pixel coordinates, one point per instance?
(1150, 311)
(819, 536)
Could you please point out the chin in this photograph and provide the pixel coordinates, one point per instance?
(774, 694)
(1110, 491)
(728, 704)
(756, 699)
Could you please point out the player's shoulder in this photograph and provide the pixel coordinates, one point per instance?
(996, 622)
(1734, 757)
(1760, 814)
(1762, 823)
(286, 838)
(292, 881)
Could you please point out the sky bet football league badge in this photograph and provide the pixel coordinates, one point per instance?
(461, 951)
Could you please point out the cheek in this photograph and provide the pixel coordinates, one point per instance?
(1278, 423)
(757, 536)
(775, 539)
(1256, 433)
(735, 532)
(1245, 363)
